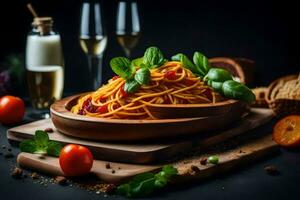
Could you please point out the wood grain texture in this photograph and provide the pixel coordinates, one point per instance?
(93, 128)
(188, 168)
(152, 151)
(234, 158)
(50, 165)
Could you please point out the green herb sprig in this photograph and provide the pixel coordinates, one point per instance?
(41, 144)
(126, 69)
(187, 63)
(145, 183)
(137, 73)
(219, 79)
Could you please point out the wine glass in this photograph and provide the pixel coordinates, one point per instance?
(128, 25)
(93, 40)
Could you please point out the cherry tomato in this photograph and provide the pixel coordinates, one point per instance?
(115, 77)
(75, 160)
(102, 109)
(86, 103)
(208, 94)
(189, 82)
(12, 109)
(81, 112)
(103, 99)
(171, 75)
(123, 92)
(88, 106)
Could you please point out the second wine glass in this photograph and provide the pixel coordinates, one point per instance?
(93, 40)
(128, 25)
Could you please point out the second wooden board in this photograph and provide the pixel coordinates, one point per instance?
(146, 152)
(188, 168)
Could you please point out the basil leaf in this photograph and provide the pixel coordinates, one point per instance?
(41, 145)
(163, 177)
(153, 57)
(124, 190)
(28, 146)
(122, 67)
(218, 75)
(169, 170)
(142, 76)
(202, 62)
(54, 148)
(160, 181)
(140, 177)
(144, 188)
(145, 183)
(41, 138)
(235, 90)
(217, 86)
(187, 63)
(140, 185)
(131, 86)
(137, 62)
(40, 150)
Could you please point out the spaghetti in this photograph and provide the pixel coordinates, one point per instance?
(171, 83)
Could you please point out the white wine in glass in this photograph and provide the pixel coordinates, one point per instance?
(93, 40)
(93, 45)
(128, 28)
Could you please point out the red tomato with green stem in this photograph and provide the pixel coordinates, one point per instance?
(75, 160)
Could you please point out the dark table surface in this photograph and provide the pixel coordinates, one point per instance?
(250, 182)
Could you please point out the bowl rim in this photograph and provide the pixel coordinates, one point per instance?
(59, 109)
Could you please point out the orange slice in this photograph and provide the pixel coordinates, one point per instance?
(286, 132)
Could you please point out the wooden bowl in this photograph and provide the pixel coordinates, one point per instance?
(282, 106)
(133, 130)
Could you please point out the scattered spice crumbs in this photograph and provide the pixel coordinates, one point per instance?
(107, 166)
(60, 180)
(271, 169)
(34, 176)
(17, 173)
(203, 161)
(195, 168)
(49, 130)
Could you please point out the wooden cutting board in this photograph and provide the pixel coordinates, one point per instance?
(189, 168)
(147, 152)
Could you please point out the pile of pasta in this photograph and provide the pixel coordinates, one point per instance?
(171, 83)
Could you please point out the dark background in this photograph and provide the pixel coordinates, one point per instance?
(265, 31)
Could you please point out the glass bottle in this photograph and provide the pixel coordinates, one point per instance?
(44, 64)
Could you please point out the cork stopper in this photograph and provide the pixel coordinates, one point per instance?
(43, 24)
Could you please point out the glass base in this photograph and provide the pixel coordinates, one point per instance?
(39, 114)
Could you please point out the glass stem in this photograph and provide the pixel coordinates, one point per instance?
(95, 70)
(127, 52)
